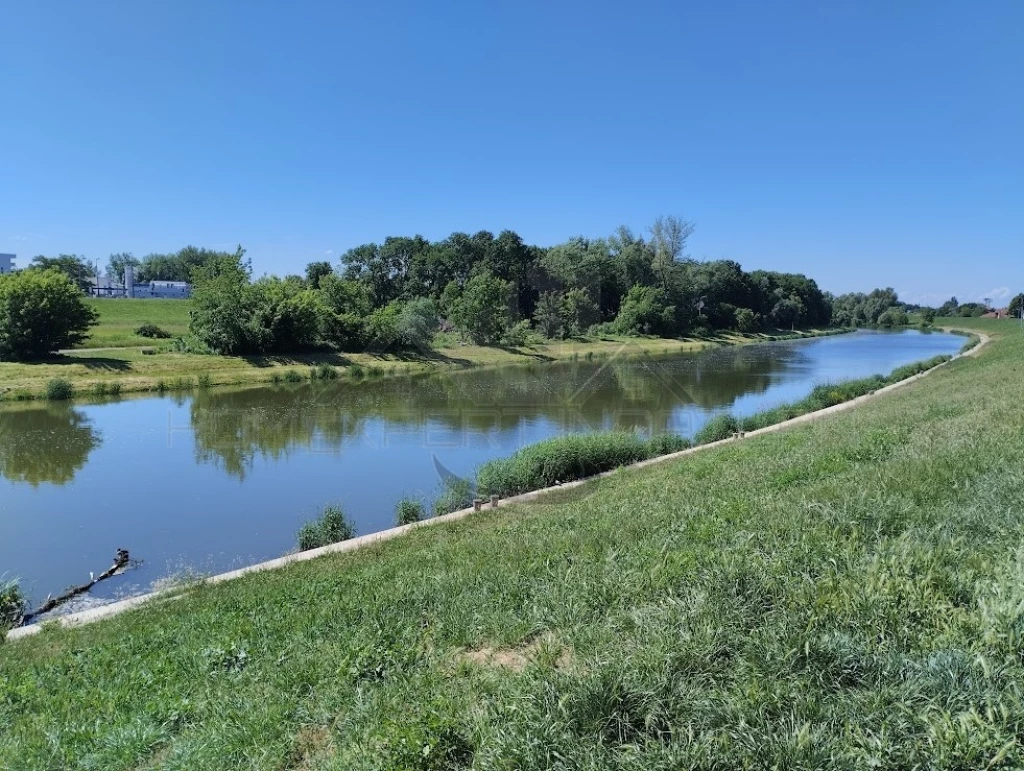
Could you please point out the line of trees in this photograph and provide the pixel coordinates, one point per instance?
(486, 289)
(174, 266)
(496, 290)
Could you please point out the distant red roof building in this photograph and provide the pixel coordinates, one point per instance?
(996, 314)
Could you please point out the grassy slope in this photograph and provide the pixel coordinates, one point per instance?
(120, 318)
(842, 594)
(136, 371)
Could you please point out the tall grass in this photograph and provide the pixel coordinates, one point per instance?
(566, 458)
(717, 428)
(455, 494)
(330, 527)
(409, 510)
(12, 604)
(323, 371)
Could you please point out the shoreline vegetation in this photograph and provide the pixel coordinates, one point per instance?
(758, 605)
(92, 374)
(407, 303)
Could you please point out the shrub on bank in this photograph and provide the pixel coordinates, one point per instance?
(565, 458)
(718, 428)
(330, 527)
(153, 332)
(59, 390)
(408, 511)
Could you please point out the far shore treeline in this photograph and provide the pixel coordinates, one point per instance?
(411, 293)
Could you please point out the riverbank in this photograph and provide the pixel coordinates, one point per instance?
(835, 594)
(100, 373)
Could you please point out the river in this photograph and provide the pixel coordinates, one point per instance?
(223, 478)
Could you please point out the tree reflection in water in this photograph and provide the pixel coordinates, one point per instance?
(44, 444)
(233, 428)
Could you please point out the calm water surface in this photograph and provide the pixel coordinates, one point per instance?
(221, 479)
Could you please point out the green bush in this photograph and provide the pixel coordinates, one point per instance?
(41, 311)
(59, 390)
(408, 511)
(291, 376)
(233, 315)
(205, 381)
(152, 331)
(323, 372)
(519, 334)
(574, 456)
(12, 605)
(718, 428)
(190, 344)
(330, 527)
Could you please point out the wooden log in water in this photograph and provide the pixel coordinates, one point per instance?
(121, 560)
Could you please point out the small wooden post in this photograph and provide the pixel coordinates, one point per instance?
(494, 501)
(477, 503)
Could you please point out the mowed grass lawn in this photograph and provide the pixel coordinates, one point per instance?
(844, 594)
(119, 318)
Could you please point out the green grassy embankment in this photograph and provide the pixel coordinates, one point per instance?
(847, 593)
(119, 318)
(148, 365)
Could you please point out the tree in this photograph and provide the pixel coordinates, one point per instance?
(548, 315)
(893, 317)
(181, 265)
(316, 271)
(41, 311)
(76, 268)
(417, 323)
(483, 310)
(221, 307)
(970, 310)
(644, 311)
(668, 240)
(746, 320)
(949, 308)
(1013, 310)
(118, 262)
(579, 311)
(786, 312)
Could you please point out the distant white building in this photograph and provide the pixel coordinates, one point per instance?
(6, 263)
(167, 290)
(110, 286)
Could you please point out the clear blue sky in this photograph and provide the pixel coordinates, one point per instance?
(864, 143)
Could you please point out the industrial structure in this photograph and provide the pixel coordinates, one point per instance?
(108, 286)
(6, 263)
